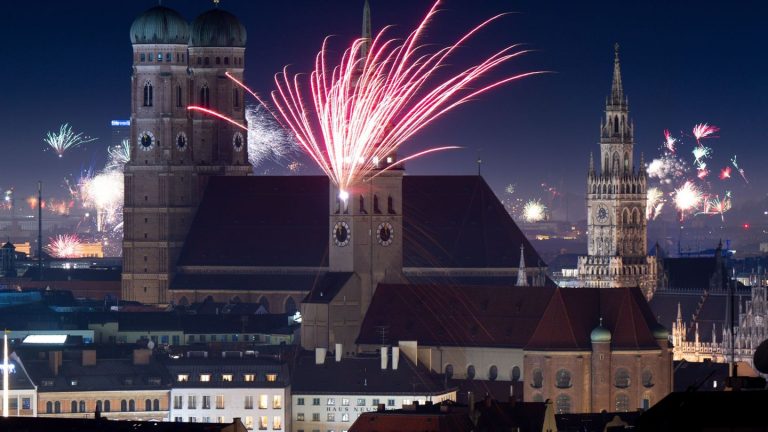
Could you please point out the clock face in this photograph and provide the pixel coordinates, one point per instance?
(385, 233)
(181, 141)
(602, 214)
(237, 141)
(341, 234)
(146, 141)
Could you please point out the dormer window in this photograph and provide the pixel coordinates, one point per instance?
(205, 377)
(182, 377)
(73, 382)
(226, 377)
(249, 377)
(272, 377)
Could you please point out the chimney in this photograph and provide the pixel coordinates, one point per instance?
(89, 357)
(384, 357)
(320, 355)
(339, 349)
(141, 356)
(54, 362)
(395, 357)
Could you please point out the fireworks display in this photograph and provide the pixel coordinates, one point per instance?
(104, 193)
(703, 130)
(688, 197)
(118, 156)
(534, 211)
(64, 246)
(655, 203)
(65, 139)
(267, 141)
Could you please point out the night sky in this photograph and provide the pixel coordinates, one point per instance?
(682, 63)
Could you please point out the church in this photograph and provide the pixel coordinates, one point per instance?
(198, 224)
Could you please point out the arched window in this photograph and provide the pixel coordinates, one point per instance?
(156, 405)
(647, 378)
(73, 407)
(178, 96)
(147, 94)
(615, 166)
(616, 124)
(646, 400)
(205, 96)
(290, 306)
(390, 205)
(622, 402)
(57, 407)
(626, 162)
(226, 60)
(449, 371)
(218, 60)
(264, 303)
(49, 407)
(82, 406)
(148, 405)
(563, 404)
(537, 378)
(98, 406)
(563, 379)
(107, 406)
(470, 372)
(123, 405)
(131, 405)
(622, 378)
(493, 373)
(515, 373)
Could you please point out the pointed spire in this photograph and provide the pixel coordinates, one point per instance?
(522, 277)
(617, 91)
(679, 312)
(366, 34)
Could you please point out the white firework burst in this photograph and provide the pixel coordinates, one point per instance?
(267, 141)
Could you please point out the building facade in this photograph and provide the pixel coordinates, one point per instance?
(22, 393)
(617, 251)
(173, 150)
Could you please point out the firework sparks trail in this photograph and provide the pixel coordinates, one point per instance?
(118, 156)
(654, 204)
(364, 108)
(703, 130)
(687, 198)
(699, 154)
(104, 193)
(740, 170)
(64, 246)
(716, 206)
(702, 172)
(669, 141)
(534, 211)
(266, 139)
(65, 139)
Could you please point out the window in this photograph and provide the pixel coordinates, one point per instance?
(131, 405)
(331, 417)
(193, 420)
(563, 404)
(375, 402)
(178, 402)
(13, 404)
(147, 94)
(316, 401)
(74, 407)
(249, 402)
(213, 338)
(252, 378)
(470, 372)
(192, 402)
(300, 417)
(218, 60)
(168, 57)
(390, 402)
(315, 417)
(107, 406)
(263, 402)
(345, 417)
(219, 401)
(175, 339)
(191, 338)
(49, 407)
(646, 400)
(516, 373)
(249, 422)
(159, 57)
(360, 402)
(622, 402)
(204, 96)
(622, 378)
(57, 407)
(178, 419)
(149, 57)
(277, 402)
(205, 377)
(344, 401)
(235, 98)
(143, 57)
(199, 60)
(178, 96)
(156, 405)
(647, 378)
(300, 401)
(206, 402)
(271, 377)
(148, 405)
(406, 402)
(538, 378)
(493, 373)
(182, 377)
(263, 422)
(331, 401)
(206, 419)
(226, 377)
(226, 60)
(563, 379)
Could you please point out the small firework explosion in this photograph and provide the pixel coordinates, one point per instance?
(703, 130)
(666, 168)
(669, 141)
(65, 139)
(654, 204)
(510, 189)
(716, 206)
(104, 193)
(725, 173)
(294, 166)
(534, 211)
(267, 141)
(64, 246)
(699, 154)
(688, 198)
(740, 170)
(118, 156)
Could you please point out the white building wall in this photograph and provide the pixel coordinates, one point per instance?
(21, 403)
(505, 360)
(272, 412)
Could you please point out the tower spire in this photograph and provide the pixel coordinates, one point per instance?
(522, 277)
(617, 90)
(366, 34)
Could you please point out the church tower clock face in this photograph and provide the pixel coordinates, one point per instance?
(385, 234)
(341, 234)
(602, 214)
(146, 141)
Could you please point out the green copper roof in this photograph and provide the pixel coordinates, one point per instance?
(660, 332)
(600, 334)
(160, 25)
(217, 28)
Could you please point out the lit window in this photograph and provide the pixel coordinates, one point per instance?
(277, 402)
(226, 377)
(263, 402)
(205, 377)
(344, 402)
(271, 377)
(182, 378)
(219, 401)
(406, 402)
(331, 401)
(159, 57)
(331, 417)
(249, 378)
(622, 403)
(249, 422)
(300, 417)
(345, 417)
(263, 422)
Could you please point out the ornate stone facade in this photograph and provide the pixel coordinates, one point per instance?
(616, 201)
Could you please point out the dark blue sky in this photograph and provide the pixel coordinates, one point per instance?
(682, 62)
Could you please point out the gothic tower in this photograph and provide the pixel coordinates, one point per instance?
(173, 152)
(616, 203)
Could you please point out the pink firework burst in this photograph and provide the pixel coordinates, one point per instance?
(725, 173)
(669, 141)
(64, 246)
(704, 130)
